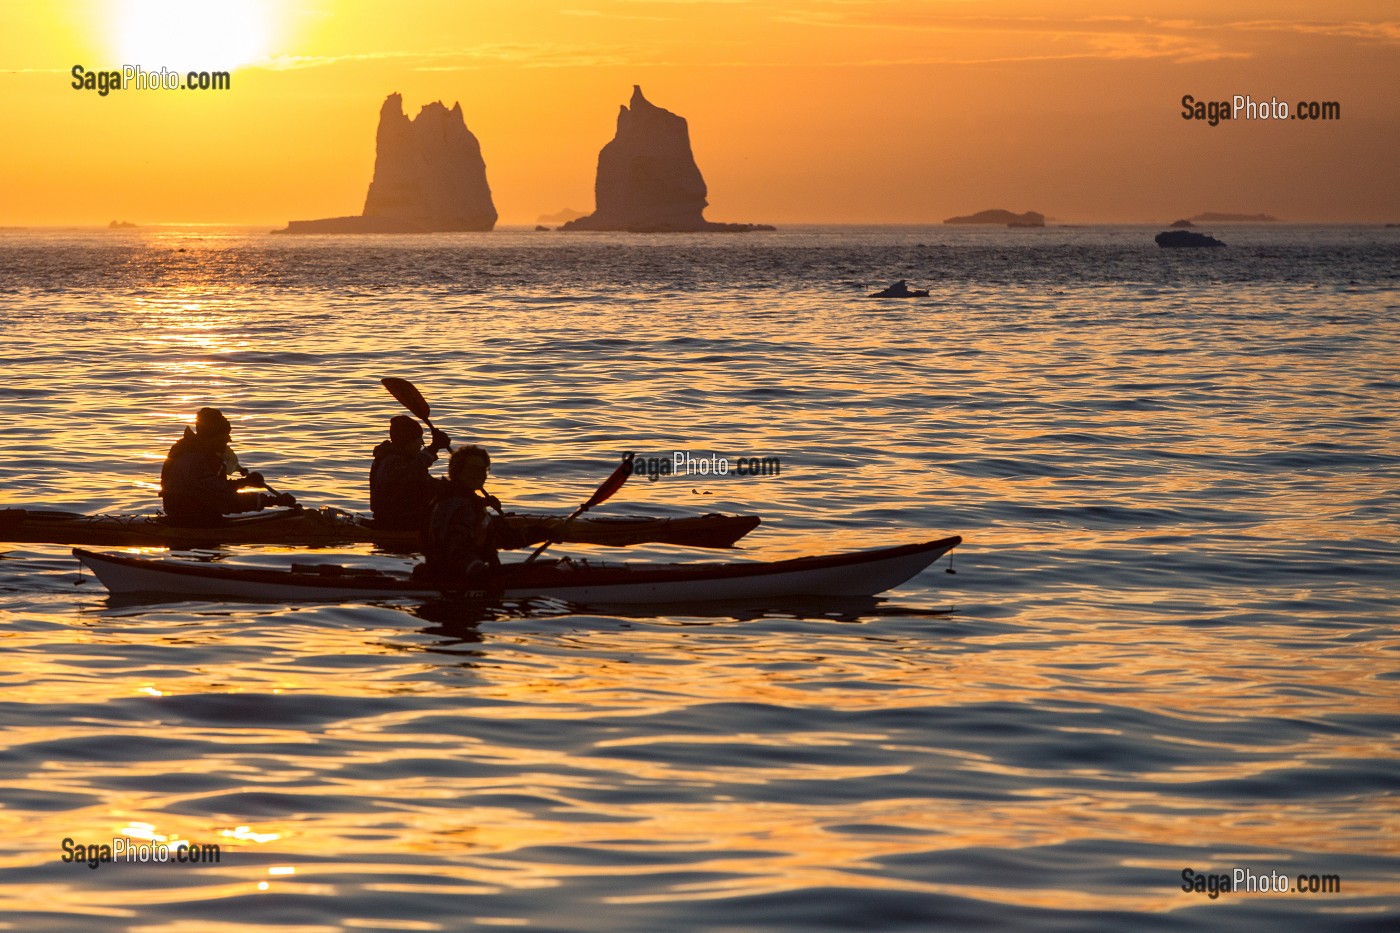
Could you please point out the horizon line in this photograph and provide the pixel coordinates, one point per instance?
(530, 225)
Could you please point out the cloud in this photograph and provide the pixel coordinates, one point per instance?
(1114, 37)
(945, 34)
(466, 58)
(612, 16)
(1385, 32)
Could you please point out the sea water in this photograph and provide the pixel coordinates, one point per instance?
(1168, 652)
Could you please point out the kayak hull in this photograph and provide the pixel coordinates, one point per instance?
(325, 527)
(858, 573)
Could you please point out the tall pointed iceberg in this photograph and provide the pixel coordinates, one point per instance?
(429, 177)
(647, 177)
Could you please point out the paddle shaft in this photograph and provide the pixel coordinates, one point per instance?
(244, 472)
(603, 493)
(550, 540)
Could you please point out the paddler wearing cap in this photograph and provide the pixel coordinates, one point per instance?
(401, 490)
(195, 486)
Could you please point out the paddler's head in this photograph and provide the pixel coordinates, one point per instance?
(469, 466)
(212, 427)
(405, 432)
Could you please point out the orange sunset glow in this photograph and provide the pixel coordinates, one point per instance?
(800, 111)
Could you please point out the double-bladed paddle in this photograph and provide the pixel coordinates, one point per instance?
(407, 395)
(603, 493)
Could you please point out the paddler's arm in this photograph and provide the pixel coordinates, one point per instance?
(504, 535)
(440, 441)
(226, 493)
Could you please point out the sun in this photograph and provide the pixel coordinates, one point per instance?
(192, 34)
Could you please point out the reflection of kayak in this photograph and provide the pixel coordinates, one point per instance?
(320, 527)
(859, 573)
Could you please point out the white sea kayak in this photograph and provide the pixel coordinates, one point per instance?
(856, 573)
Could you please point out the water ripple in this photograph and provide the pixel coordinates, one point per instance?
(1173, 644)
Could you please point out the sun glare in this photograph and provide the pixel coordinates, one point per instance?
(153, 34)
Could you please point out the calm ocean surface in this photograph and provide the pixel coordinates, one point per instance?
(1174, 644)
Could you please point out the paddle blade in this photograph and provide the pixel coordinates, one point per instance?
(612, 484)
(408, 396)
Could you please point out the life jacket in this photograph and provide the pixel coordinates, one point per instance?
(401, 490)
(459, 540)
(194, 486)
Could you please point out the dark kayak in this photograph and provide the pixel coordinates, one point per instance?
(325, 527)
(586, 582)
(900, 289)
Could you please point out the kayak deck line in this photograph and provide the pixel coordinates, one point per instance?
(325, 527)
(857, 573)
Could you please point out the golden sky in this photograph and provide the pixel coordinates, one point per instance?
(800, 111)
